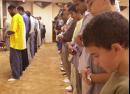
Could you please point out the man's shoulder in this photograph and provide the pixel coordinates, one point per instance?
(124, 85)
(25, 15)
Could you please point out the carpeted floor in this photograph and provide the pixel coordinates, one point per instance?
(43, 76)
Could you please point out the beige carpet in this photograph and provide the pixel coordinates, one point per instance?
(42, 76)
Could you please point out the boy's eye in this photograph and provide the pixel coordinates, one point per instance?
(95, 55)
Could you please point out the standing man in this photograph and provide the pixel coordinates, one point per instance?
(17, 42)
(27, 26)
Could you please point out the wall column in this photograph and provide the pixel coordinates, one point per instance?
(1, 19)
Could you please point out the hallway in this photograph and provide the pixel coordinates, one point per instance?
(43, 75)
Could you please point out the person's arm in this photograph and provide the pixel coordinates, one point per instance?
(14, 25)
(100, 78)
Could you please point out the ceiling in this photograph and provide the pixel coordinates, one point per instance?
(43, 0)
(122, 2)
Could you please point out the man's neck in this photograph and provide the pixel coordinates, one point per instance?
(80, 17)
(123, 68)
(13, 15)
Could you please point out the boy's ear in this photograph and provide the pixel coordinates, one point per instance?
(116, 47)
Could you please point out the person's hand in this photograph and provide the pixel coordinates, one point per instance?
(62, 28)
(59, 37)
(78, 40)
(10, 32)
(85, 74)
(71, 50)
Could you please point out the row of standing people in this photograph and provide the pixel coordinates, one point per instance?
(85, 76)
(25, 34)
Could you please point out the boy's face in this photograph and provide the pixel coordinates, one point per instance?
(107, 59)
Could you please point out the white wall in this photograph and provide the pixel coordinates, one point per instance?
(8, 15)
(48, 13)
(1, 14)
(55, 10)
(27, 6)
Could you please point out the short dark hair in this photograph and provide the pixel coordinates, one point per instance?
(28, 13)
(105, 29)
(20, 8)
(11, 7)
(73, 8)
(112, 2)
(82, 0)
(69, 4)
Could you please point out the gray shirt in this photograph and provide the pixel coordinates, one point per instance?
(117, 84)
(95, 88)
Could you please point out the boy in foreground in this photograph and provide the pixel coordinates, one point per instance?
(106, 37)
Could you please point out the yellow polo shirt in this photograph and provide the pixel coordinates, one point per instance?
(18, 39)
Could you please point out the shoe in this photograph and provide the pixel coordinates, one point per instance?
(61, 64)
(59, 51)
(63, 73)
(12, 79)
(66, 80)
(62, 69)
(69, 88)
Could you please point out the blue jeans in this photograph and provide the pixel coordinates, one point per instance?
(59, 45)
(16, 63)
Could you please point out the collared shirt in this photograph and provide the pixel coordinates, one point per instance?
(32, 22)
(86, 19)
(26, 21)
(18, 39)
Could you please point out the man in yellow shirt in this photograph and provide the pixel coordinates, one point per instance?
(17, 42)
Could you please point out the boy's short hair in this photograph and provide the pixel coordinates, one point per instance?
(11, 7)
(105, 29)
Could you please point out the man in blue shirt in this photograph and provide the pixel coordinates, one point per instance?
(26, 18)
